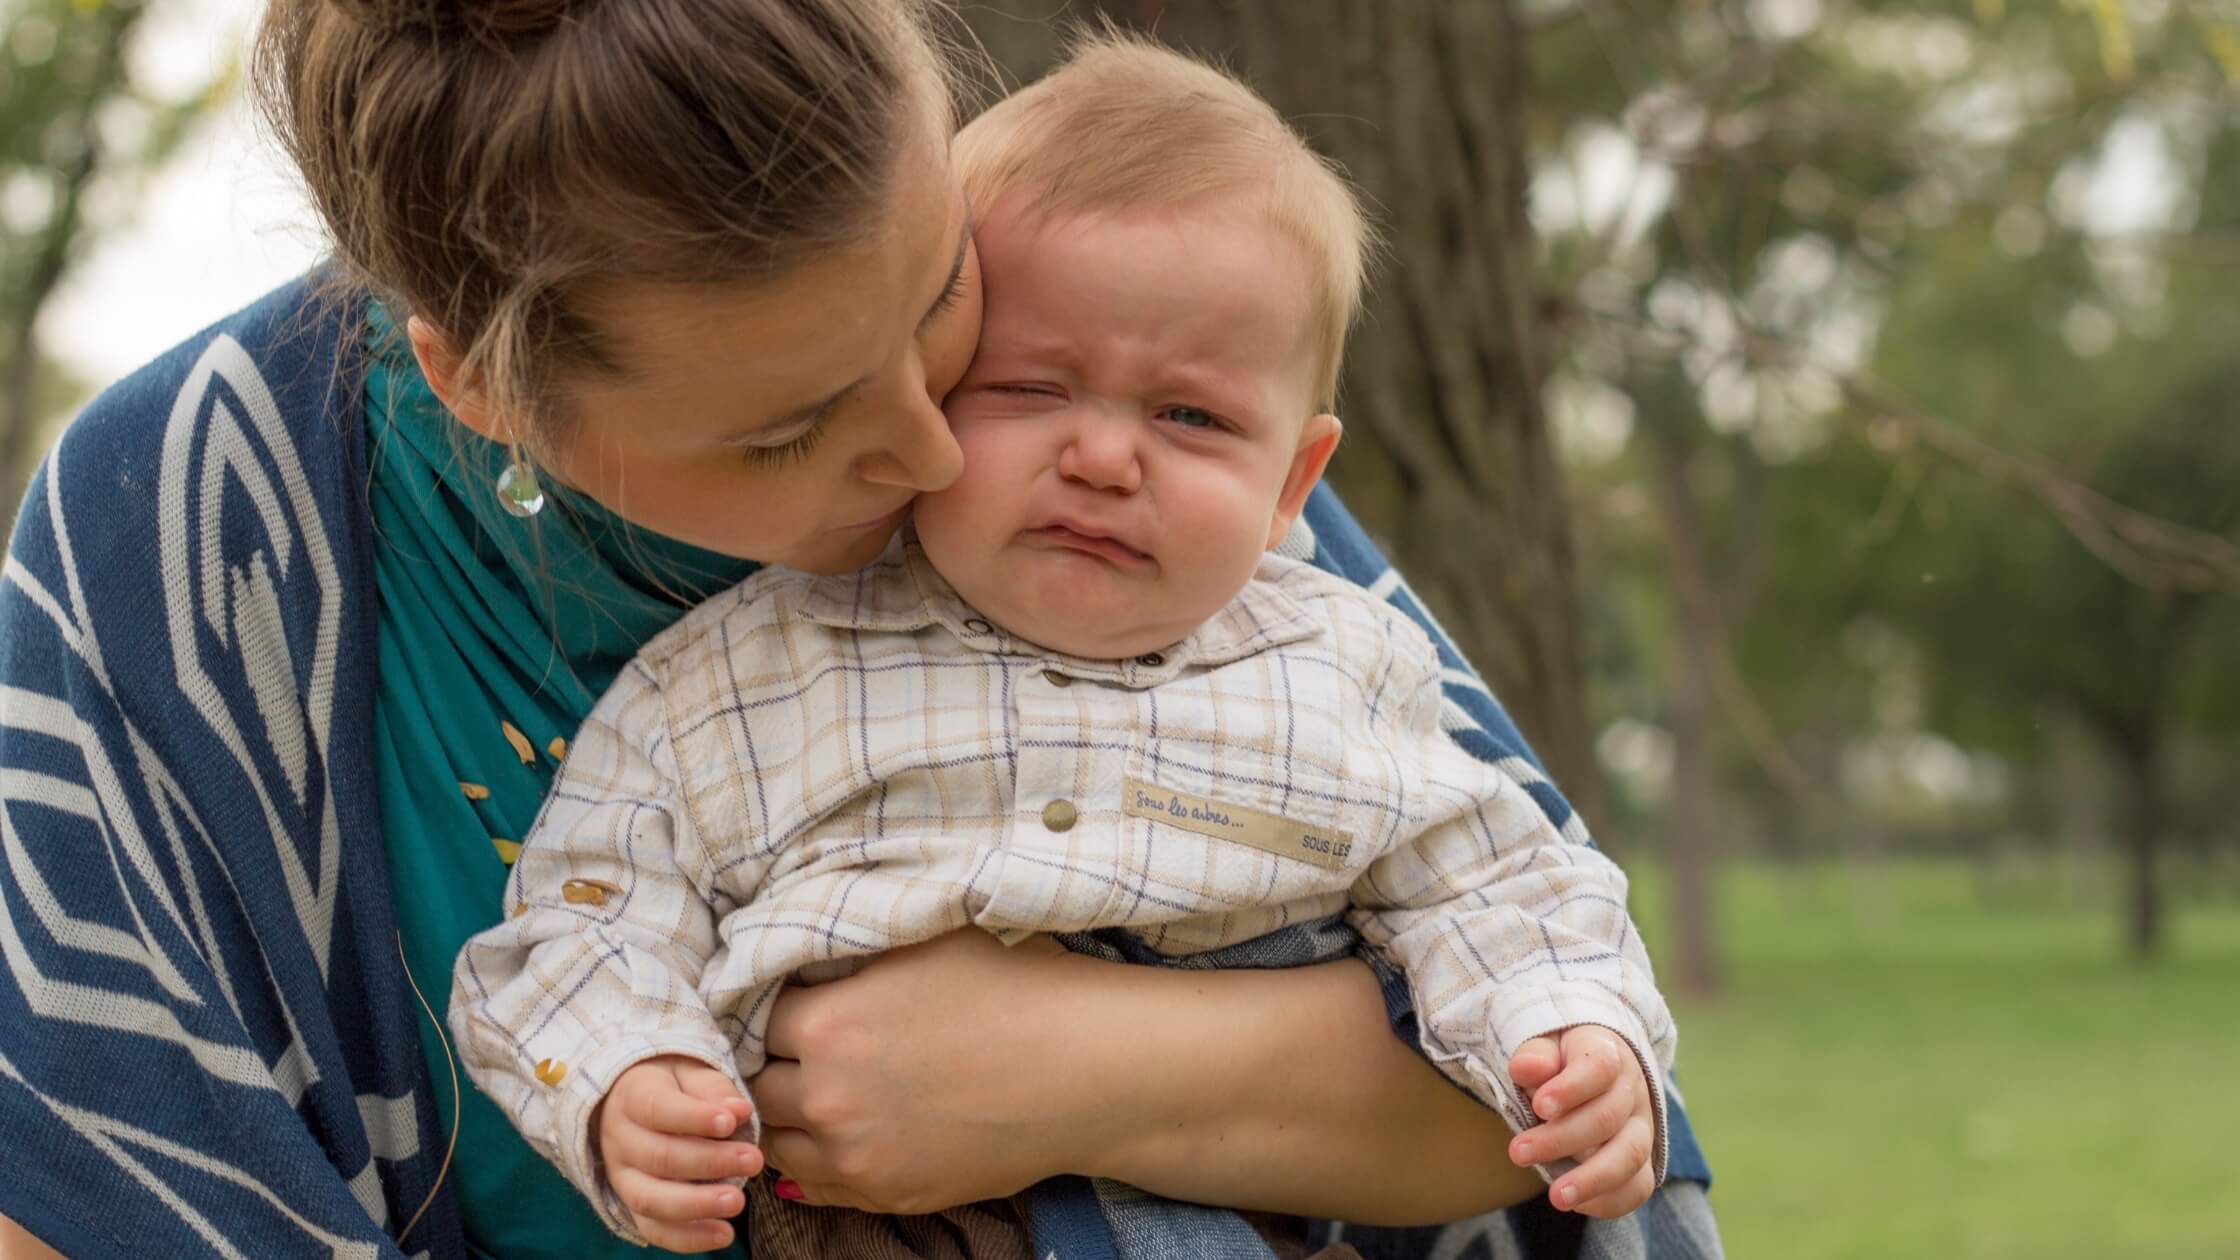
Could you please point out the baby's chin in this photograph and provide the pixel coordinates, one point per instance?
(1072, 637)
(1090, 630)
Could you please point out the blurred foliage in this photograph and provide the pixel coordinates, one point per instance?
(78, 139)
(1933, 309)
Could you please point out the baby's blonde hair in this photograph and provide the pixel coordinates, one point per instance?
(1124, 124)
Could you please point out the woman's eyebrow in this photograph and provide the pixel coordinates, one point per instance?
(956, 269)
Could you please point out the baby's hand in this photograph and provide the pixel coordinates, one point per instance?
(660, 1132)
(1589, 1089)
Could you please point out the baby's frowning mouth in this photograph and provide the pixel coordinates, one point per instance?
(1081, 538)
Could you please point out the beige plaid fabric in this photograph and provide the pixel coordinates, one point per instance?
(807, 771)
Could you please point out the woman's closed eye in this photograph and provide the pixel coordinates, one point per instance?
(776, 457)
(959, 281)
(780, 454)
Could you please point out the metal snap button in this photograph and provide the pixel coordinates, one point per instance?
(551, 1070)
(1056, 679)
(1060, 815)
(978, 626)
(1151, 660)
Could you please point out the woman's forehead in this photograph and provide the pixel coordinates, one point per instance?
(809, 332)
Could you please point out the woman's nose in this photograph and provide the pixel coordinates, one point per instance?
(920, 452)
(1101, 454)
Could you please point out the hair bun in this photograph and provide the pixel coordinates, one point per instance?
(491, 21)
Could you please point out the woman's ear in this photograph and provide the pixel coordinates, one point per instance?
(458, 390)
(1318, 441)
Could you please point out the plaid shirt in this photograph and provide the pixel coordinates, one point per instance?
(807, 771)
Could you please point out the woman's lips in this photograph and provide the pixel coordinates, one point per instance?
(1071, 539)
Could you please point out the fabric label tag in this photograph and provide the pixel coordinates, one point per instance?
(1271, 833)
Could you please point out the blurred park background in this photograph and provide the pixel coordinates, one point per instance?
(1821, 422)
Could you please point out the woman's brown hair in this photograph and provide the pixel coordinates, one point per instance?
(490, 165)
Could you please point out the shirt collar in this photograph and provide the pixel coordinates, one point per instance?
(902, 593)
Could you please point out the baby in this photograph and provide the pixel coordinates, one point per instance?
(1082, 694)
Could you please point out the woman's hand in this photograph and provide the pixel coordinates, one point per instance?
(918, 1083)
(960, 1070)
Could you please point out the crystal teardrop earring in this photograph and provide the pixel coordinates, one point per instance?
(518, 490)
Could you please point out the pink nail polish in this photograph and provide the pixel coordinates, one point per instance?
(788, 1189)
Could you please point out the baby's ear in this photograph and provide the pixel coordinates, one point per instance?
(1318, 441)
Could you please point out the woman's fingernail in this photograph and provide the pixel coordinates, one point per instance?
(788, 1189)
(750, 1162)
(720, 1124)
(1550, 1108)
(1565, 1196)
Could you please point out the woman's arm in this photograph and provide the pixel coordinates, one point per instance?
(16, 1243)
(1287, 1091)
(960, 1070)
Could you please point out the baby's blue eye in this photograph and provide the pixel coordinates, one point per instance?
(1191, 417)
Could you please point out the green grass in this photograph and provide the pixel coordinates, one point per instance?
(1898, 1069)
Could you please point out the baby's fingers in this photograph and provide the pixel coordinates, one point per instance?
(1580, 1131)
(669, 1158)
(679, 1111)
(677, 1215)
(705, 1083)
(1614, 1180)
(1534, 1063)
(1592, 1059)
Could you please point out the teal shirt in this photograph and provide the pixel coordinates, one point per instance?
(489, 622)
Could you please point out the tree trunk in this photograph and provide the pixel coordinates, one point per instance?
(2139, 753)
(1685, 826)
(1446, 458)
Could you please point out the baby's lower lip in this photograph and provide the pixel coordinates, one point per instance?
(1104, 548)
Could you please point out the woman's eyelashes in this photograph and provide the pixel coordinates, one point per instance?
(789, 451)
(950, 296)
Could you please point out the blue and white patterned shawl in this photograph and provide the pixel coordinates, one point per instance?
(207, 1040)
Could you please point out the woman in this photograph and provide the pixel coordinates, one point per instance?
(694, 265)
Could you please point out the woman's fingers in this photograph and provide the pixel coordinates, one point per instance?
(794, 1153)
(777, 1095)
(1613, 1180)
(784, 1038)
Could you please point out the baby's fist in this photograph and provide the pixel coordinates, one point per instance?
(661, 1133)
(1593, 1099)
